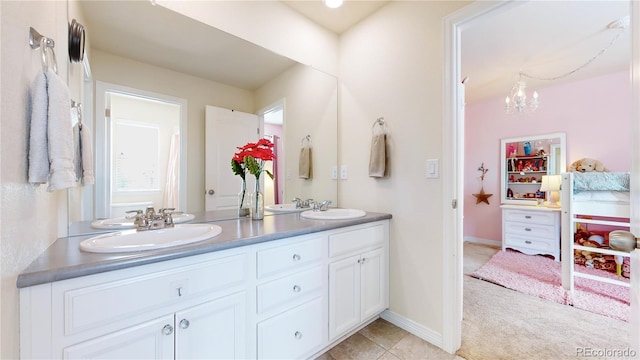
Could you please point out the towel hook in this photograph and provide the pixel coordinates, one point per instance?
(307, 139)
(379, 121)
(38, 41)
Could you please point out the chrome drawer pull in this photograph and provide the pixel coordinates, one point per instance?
(296, 288)
(167, 329)
(527, 241)
(527, 229)
(184, 324)
(296, 257)
(298, 335)
(527, 216)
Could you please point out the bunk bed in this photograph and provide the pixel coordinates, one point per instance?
(594, 200)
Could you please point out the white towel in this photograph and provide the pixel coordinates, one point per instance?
(86, 151)
(59, 134)
(38, 144)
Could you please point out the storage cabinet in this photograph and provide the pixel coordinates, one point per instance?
(265, 301)
(531, 229)
(358, 278)
(524, 177)
(291, 298)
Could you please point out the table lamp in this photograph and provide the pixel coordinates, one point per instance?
(551, 183)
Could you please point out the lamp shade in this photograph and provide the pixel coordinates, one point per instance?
(551, 182)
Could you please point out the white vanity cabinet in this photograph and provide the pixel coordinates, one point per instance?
(282, 299)
(291, 298)
(193, 308)
(358, 277)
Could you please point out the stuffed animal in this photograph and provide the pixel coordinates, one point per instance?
(587, 165)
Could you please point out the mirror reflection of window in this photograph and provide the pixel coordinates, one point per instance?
(274, 131)
(143, 156)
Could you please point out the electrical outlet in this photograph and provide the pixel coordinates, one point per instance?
(343, 172)
(334, 172)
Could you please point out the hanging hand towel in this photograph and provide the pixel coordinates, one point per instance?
(304, 170)
(378, 156)
(38, 145)
(86, 155)
(59, 134)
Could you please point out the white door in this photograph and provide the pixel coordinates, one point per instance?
(372, 286)
(213, 330)
(225, 130)
(344, 296)
(150, 340)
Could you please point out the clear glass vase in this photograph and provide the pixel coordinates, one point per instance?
(257, 203)
(243, 200)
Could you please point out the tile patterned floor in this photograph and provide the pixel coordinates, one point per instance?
(384, 341)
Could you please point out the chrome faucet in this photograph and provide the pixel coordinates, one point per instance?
(150, 220)
(323, 206)
(307, 203)
(298, 202)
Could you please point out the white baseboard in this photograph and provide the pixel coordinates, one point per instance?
(416, 329)
(477, 240)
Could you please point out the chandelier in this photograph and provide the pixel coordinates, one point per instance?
(517, 100)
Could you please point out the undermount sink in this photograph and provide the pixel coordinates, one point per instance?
(283, 208)
(333, 214)
(124, 223)
(132, 240)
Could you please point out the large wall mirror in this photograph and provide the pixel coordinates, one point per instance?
(524, 161)
(135, 46)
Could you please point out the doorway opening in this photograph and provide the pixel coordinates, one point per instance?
(273, 116)
(139, 150)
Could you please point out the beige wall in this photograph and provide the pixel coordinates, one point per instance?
(31, 217)
(391, 67)
(310, 109)
(198, 92)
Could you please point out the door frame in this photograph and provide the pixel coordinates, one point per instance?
(103, 136)
(453, 159)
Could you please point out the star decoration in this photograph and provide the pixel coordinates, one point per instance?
(482, 197)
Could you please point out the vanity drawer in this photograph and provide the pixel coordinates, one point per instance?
(290, 257)
(356, 240)
(289, 289)
(295, 334)
(530, 217)
(99, 305)
(531, 230)
(533, 243)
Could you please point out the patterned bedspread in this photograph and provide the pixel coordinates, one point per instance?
(590, 181)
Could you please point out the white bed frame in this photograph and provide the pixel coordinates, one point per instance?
(571, 209)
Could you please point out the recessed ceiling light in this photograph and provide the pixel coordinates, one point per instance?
(333, 3)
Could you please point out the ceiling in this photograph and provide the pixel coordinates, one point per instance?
(543, 38)
(546, 39)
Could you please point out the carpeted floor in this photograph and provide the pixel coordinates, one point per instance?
(499, 323)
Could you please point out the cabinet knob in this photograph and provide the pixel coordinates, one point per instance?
(298, 335)
(527, 216)
(211, 192)
(167, 329)
(527, 229)
(296, 288)
(184, 324)
(527, 241)
(296, 257)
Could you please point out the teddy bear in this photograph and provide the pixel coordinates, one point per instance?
(587, 165)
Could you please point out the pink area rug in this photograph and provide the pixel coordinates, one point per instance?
(542, 277)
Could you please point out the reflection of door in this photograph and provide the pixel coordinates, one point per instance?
(225, 130)
(139, 156)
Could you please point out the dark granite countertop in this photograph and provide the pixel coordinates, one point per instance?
(64, 260)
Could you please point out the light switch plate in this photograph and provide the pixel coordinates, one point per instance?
(343, 172)
(432, 169)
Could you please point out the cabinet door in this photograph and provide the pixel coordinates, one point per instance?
(213, 330)
(344, 296)
(150, 340)
(373, 283)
